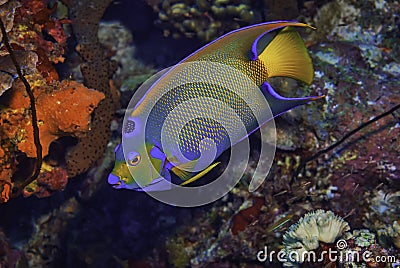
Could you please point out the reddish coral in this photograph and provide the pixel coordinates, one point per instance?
(246, 216)
(5, 193)
(60, 112)
(5, 178)
(51, 179)
(35, 21)
(7, 165)
(40, 19)
(45, 67)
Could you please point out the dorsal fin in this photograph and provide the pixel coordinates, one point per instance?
(241, 39)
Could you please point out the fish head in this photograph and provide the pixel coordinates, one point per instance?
(135, 169)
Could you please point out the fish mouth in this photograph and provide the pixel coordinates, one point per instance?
(114, 181)
(119, 185)
(122, 185)
(115, 185)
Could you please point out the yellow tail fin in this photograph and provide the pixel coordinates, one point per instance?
(286, 55)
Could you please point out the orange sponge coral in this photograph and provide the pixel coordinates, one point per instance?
(61, 112)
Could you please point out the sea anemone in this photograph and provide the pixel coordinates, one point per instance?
(312, 228)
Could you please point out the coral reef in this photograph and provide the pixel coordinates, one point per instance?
(9, 256)
(384, 208)
(50, 179)
(359, 179)
(117, 39)
(203, 19)
(44, 248)
(393, 233)
(209, 19)
(357, 248)
(362, 250)
(356, 56)
(26, 59)
(97, 70)
(32, 21)
(314, 228)
(25, 25)
(63, 108)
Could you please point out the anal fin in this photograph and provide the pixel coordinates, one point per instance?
(279, 104)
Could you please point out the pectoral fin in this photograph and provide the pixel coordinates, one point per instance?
(200, 174)
(183, 171)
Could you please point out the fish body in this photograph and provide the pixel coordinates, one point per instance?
(257, 52)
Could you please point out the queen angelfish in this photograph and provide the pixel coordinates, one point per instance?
(259, 51)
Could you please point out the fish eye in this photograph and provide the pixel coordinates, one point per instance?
(133, 158)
